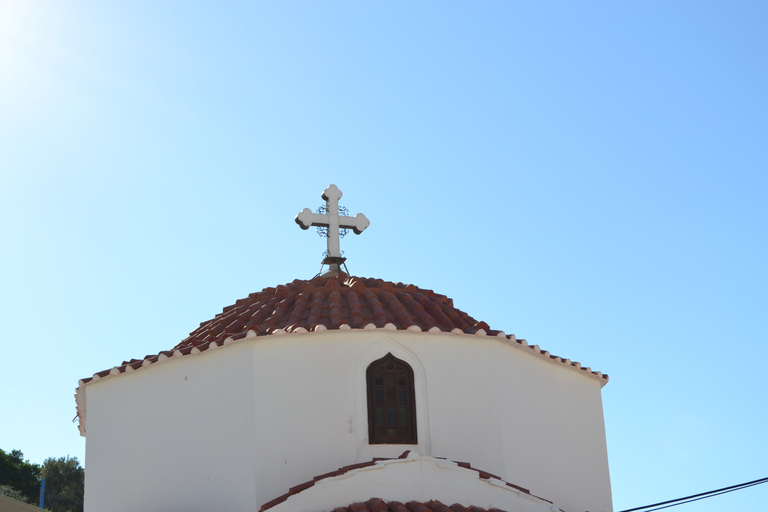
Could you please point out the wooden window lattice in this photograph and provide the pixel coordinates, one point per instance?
(391, 402)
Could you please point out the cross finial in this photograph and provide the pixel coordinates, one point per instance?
(333, 222)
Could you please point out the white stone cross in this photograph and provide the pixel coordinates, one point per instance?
(333, 222)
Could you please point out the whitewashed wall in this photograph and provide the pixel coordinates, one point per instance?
(237, 426)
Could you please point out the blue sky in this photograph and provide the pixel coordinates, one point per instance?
(589, 176)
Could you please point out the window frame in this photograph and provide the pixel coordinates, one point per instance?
(403, 386)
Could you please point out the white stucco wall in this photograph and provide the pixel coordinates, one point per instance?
(175, 434)
(237, 426)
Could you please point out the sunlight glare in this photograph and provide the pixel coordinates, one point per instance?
(24, 52)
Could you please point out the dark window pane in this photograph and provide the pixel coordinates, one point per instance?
(391, 404)
(391, 417)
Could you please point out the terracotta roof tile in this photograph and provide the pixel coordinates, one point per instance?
(333, 302)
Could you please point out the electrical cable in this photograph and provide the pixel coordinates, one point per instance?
(697, 497)
(704, 497)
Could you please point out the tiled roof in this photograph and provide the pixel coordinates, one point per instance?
(331, 303)
(341, 302)
(378, 505)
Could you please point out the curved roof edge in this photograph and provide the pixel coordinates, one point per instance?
(337, 303)
(403, 486)
(137, 364)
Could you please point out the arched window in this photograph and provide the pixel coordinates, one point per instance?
(391, 402)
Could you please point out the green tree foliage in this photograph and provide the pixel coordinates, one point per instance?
(7, 490)
(20, 474)
(64, 484)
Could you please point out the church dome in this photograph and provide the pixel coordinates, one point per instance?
(338, 302)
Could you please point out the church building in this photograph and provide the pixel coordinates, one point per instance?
(343, 393)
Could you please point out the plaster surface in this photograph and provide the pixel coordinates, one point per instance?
(236, 426)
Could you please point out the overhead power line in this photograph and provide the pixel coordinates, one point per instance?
(697, 497)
